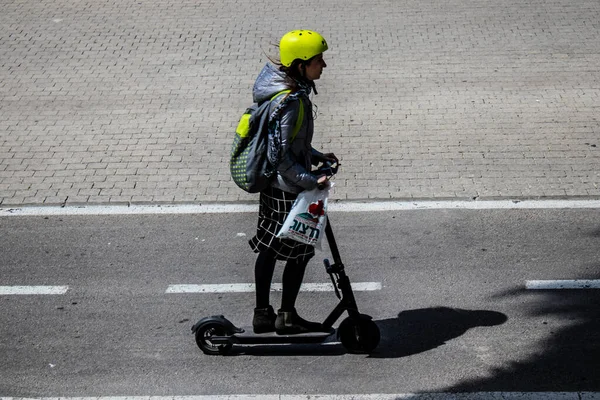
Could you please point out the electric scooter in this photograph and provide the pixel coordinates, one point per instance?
(357, 332)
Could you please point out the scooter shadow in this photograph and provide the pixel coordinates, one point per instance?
(417, 331)
(412, 332)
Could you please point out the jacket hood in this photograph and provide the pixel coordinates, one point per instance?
(269, 82)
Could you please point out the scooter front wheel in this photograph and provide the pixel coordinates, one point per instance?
(359, 335)
(205, 333)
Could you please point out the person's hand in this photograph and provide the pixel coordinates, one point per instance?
(322, 182)
(331, 158)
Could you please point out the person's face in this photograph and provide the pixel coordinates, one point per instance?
(315, 68)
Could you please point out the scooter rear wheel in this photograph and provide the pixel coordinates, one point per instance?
(204, 335)
(359, 335)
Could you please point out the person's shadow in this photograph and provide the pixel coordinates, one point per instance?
(416, 331)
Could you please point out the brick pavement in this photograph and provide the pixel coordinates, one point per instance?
(112, 101)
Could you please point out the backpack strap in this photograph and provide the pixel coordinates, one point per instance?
(298, 124)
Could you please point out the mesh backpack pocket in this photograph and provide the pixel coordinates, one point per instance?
(248, 159)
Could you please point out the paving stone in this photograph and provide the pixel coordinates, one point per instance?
(422, 99)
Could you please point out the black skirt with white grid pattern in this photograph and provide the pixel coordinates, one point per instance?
(275, 205)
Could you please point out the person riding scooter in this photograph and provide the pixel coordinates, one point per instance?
(301, 63)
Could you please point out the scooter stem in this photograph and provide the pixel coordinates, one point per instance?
(337, 260)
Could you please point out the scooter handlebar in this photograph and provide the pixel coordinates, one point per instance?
(328, 168)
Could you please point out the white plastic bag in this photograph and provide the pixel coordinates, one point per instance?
(307, 220)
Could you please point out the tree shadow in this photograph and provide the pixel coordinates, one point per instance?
(417, 331)
(568, 359)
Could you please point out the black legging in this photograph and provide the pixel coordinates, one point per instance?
(293, 274)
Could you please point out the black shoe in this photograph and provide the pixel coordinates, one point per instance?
(264, 320)
(289, 323)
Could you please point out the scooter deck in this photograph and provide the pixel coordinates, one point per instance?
(249, 337)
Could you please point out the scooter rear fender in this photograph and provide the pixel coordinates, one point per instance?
(219, 319)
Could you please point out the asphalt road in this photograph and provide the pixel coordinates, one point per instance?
(453, 308)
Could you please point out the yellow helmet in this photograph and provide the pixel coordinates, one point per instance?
(300, 44)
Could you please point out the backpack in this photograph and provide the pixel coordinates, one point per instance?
(248, 162)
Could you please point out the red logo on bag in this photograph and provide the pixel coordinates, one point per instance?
(317, 209)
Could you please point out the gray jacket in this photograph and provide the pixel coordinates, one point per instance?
(293, 172)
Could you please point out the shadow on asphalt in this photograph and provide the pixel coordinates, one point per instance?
(567, 360)
(417, 331)
(413, 332)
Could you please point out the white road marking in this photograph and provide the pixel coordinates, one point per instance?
(249, 287)
(563, 284)
(399, 396)
(28, 290)
(341, 206)
(461, 204)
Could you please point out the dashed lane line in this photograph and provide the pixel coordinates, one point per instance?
(563, 284)
(250, 287)
(32, 290)
(184, 288)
